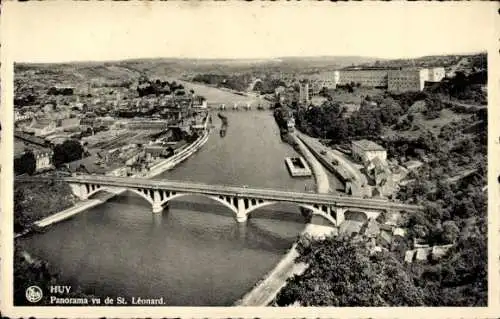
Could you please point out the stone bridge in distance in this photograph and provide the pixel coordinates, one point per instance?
(240, 200)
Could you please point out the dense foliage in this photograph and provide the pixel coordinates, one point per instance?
(68, 151)
(25, 164)
(28, 272)
(240, 82)
(150, 87)
(342, 273)
(462, 87)
(59, 91)
(234, 82)
(329, 120)
(34, 201)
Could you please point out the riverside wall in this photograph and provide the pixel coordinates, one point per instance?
(352, 179)
(322, 182)
(182, 155)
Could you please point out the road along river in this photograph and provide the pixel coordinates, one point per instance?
(194, 253)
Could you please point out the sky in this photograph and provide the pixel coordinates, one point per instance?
(59, 31)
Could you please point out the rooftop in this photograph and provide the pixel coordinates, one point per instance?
(368, 68)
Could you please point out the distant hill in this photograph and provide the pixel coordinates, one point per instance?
(187, 68)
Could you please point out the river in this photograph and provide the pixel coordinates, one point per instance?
(194, 253)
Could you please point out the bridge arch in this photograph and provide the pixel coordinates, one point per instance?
(315, 210)
(361, 215)
(222, 201)
(356, 215)
(94, 189)
(142, 194)
(91, 191)
(252, 85)
(165, 197)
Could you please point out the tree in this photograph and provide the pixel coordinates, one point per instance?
(342, 273)
(25, 164)
(450, 232)
(68, 151)
(21, 219)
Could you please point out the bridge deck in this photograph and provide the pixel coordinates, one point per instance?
(259, 193)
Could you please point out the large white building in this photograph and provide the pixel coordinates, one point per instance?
(365, 77)
(407, 80)
(395, 80)
(436, 74)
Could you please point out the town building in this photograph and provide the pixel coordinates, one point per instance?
(25, 117)
(200, 104)
(43, 160)
(68, 124)
(43, 155)
(334, 81)
(147, 125)
(290, 124)
(407, 80)
(364, 77)
(304, 93)
(41, 127)
(279, 90)
(156, 152)
(366, 151)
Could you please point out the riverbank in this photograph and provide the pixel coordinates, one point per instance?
(322, 182)
(79, 207)
(178, 158)
(265, 291)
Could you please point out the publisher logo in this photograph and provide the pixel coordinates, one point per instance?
(34, 294)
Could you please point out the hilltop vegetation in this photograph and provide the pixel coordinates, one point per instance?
(34, 201)
(343, 273)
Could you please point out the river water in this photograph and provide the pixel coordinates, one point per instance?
(194, 253)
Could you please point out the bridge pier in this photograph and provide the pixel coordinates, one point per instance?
(242, 215)
(157, 208)
(80, 191)
(157, 205)
(340, 215)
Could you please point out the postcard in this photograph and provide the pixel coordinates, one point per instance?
(249, 159)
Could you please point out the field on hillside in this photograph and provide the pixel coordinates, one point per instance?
(342, 96)
(420, 123)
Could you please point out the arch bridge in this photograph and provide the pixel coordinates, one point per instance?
(242, 201)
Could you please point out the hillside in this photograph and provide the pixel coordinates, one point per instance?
(449, 140)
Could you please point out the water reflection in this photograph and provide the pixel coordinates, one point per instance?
(158, 219)
(241, 233)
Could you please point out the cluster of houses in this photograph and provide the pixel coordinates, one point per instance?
(382, 175)
(387, 236)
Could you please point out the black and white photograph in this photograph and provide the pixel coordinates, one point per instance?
(249, 155)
